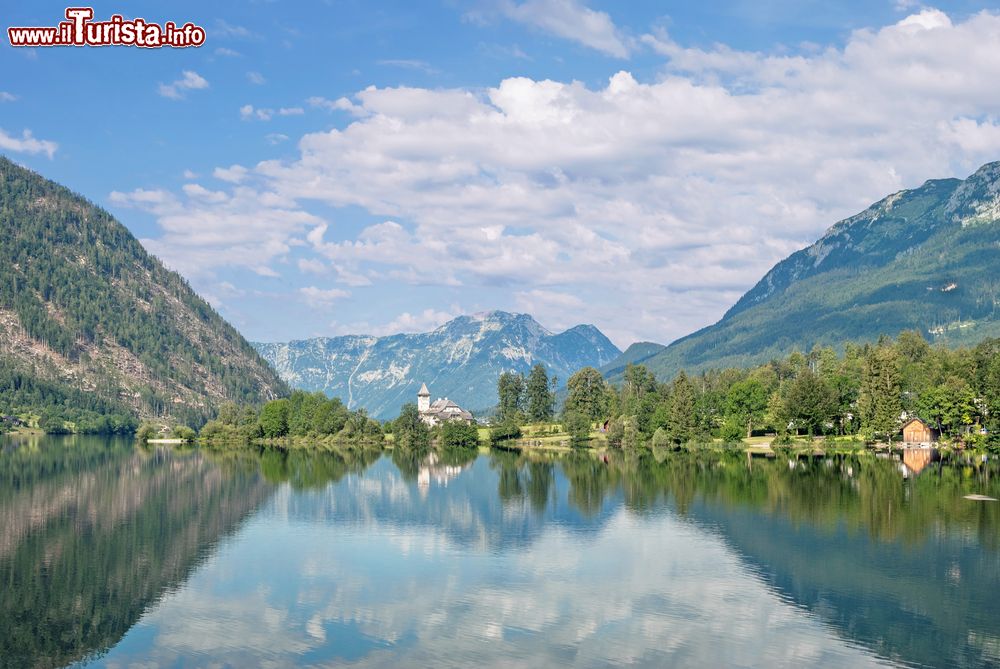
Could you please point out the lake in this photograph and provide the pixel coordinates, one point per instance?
(113, 555)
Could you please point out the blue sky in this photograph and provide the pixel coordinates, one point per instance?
(355, 167)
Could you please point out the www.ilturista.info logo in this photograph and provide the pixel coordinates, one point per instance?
(80, 30)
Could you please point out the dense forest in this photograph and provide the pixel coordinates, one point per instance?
(868, 391)
(85, 307)
(301, 414)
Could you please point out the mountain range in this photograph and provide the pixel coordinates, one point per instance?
(925, 259)
(89, 319)
(461, 360)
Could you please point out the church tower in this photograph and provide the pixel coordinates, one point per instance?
(423, 399)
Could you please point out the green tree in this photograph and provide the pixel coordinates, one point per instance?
(879, 400)
(682, 419)
(510, 390)
(637, 384)
(746, 403)
(409, 430)
(504, 431)
(948, 406)
(587, 394)
(274, 418)
(577, 424)
(329, 417)
(540, 398)
(810, 402)
(459, 434)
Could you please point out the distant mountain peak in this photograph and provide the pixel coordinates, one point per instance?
(460, 359)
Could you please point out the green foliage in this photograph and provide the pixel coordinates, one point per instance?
(879, 401)
(732, 432)
(588, 394)
(616, 432)
(661, 439)
(746, 403)
(53, 422)
(79, 282)
(274, 418)
(540, 398)
(301, 414)
(867, 387)
(184, 432)
(510, 390)
(360, 427)
(146, 432)
(577, 424)
(459, 434)
(66, 409)
(504, 431)
(409, 429)
(681, 416)
(809, 402)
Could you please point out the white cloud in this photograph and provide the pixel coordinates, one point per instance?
(905, 5)
(224, 29)
(7, 97)
(228, 53)
(27, 143)
(189, 81)
(312, 266)
(322, 297)
(249, 112)
(256, 78)
(233, 174)
(424, 321)
(654, 203)
(408, 64)
(340, 104)
(570, 20)
(199, 192)
(204, 230)
(275, 138)
(190, 174)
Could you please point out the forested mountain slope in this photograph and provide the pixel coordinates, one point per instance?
(89, 319)
(925, 259)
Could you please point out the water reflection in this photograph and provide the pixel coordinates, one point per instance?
(457, 559)
(93, 531)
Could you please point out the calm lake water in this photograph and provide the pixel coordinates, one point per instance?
(117, 556)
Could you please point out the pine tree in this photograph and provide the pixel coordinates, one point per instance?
(681, 420)
(879, 401)
(510, 390)
(540, 399)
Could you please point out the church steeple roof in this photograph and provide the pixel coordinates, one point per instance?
(423, 391)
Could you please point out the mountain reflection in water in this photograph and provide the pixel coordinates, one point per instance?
(243, 558)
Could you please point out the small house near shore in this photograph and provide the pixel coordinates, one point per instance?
(442, 410)
(918, 431)
(11, 421)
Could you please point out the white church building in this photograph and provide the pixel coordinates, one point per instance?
(439, 411)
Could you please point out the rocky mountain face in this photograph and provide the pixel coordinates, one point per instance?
(925, 259)
(460, 360)
(89, 319)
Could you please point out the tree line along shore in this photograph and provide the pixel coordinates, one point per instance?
(860, 395)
